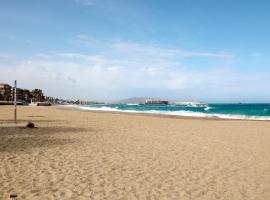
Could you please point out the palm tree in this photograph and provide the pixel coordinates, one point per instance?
(37, 94)
(6, 93)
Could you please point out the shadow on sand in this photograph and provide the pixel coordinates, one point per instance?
(20, 139)
(7, 121)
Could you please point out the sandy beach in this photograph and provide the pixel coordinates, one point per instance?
(96, 155)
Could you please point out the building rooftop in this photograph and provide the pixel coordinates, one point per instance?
(4, 86)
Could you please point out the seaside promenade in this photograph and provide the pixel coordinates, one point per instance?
(76, 154)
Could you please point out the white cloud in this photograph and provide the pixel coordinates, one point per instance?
(101, 77)
(124, 70)
(82, 39)
(85, 2)
(144, 49)
(164, 52)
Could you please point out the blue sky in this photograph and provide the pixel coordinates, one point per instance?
(187, 50)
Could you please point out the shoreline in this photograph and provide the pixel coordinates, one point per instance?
(75, 107)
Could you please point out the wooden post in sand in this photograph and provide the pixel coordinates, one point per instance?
(15, 101)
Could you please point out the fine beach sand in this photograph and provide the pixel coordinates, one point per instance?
(89, 155)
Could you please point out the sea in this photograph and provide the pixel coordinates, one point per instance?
(224, 111)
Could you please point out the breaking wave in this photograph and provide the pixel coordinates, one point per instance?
(181, 113)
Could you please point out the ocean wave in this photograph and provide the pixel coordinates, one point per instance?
(195, 105)
(207, 108)
(175, 113)
(102, 108)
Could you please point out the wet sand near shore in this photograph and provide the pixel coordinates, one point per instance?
(76, 154)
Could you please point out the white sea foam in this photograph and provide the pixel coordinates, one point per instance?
(197, 106)
(207, 108)
(174, 113)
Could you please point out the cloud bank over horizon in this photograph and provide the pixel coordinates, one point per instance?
(122, 70)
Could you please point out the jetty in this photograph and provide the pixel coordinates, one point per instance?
(156, 102)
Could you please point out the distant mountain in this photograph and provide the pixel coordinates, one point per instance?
(134, 100)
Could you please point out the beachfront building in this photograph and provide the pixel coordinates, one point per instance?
(5, 92)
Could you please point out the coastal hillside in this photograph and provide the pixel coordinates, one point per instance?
(133, 100)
